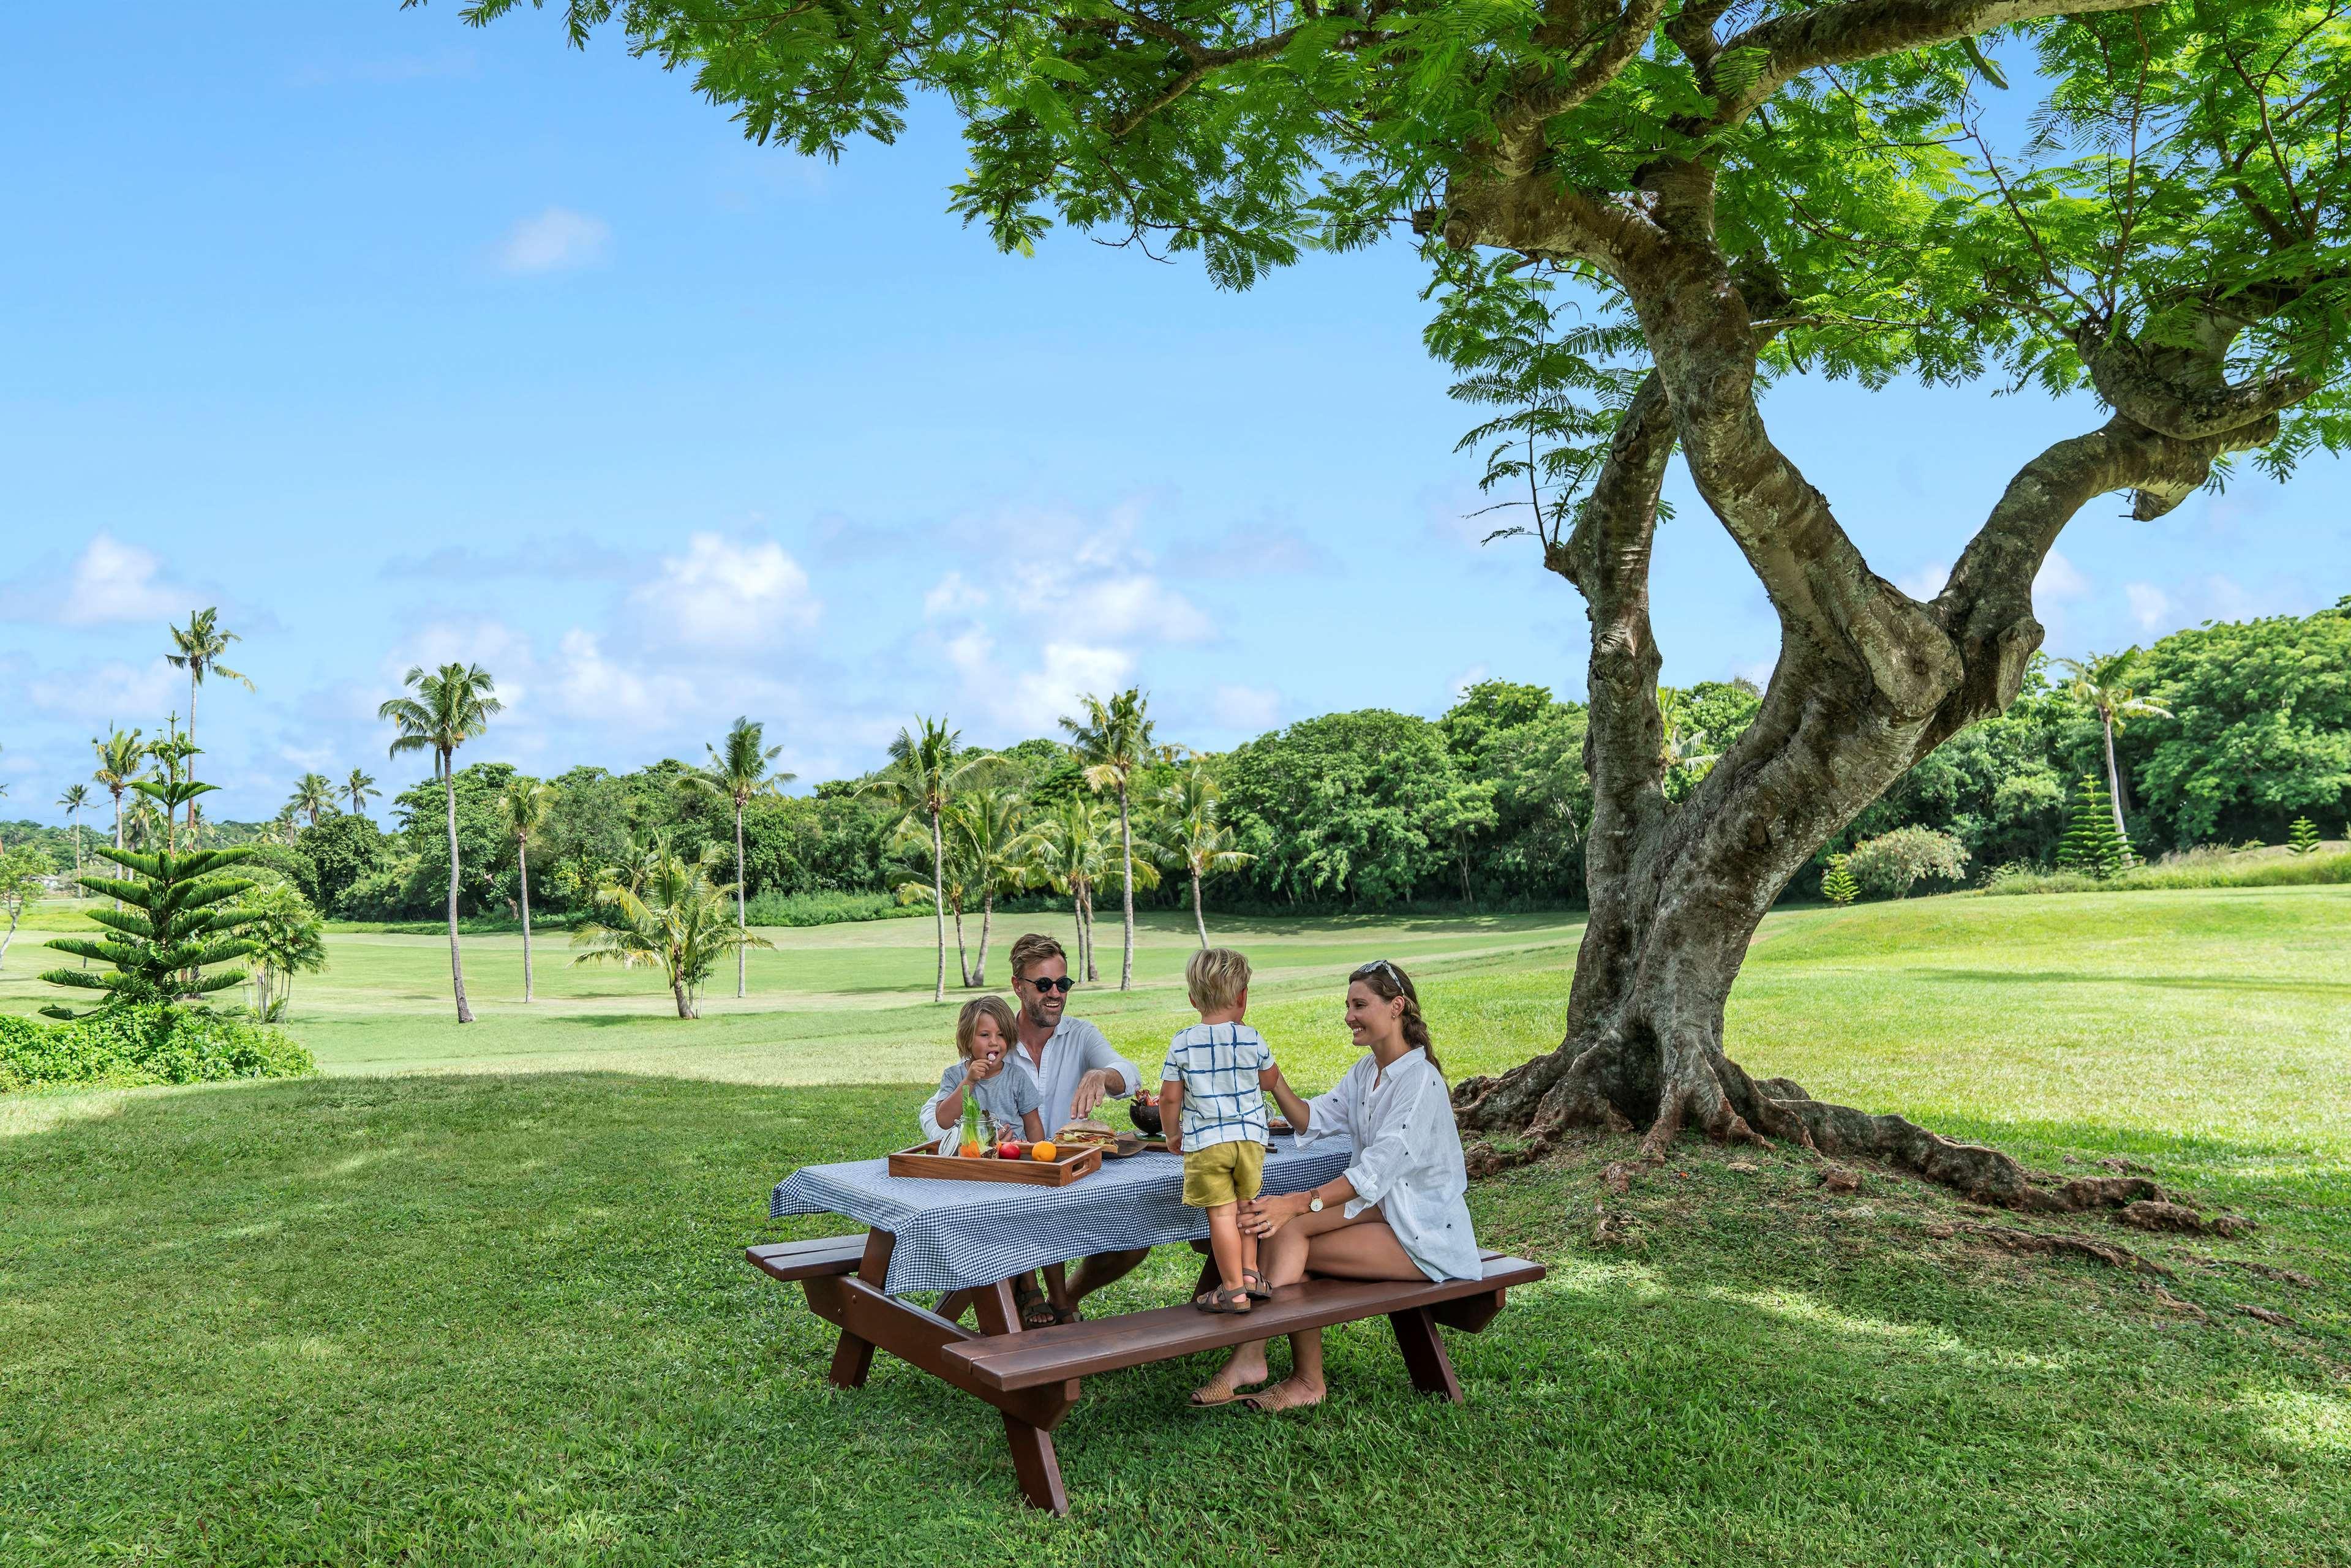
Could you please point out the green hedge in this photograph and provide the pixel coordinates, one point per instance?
(830, 908)
(146, 1045)
(2211, 867)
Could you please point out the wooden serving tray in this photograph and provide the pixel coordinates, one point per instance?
(925, 1160)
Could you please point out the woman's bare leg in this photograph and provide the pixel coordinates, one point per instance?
(1366, 1249)
(1281, 1258)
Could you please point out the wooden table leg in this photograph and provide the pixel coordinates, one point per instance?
(1423, 1354)
(853, 1357)
(1034, 1462)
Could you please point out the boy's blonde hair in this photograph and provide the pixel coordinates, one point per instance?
(967, 1023)
(1216, 977)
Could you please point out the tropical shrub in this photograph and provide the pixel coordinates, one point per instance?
(2092, 845)
(1892, 863)
(1837, 884)
(2302, 837)
(145, 1044)
(829, 908)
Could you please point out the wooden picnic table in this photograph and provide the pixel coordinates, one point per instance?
(1032, 1377)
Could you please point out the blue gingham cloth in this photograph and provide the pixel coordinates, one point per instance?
(955, 1235)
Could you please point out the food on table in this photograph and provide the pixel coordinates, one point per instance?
(970, 1151)
(1007, 1150)
(1143, 1110)
(1086, 1133)
(1044, 1152)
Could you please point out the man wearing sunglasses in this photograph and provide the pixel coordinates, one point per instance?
(1076, 1069)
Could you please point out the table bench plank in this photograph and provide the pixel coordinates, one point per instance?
(790, 1260)
(1045, 1355)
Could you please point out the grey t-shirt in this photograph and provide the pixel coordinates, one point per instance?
(1005, 1098)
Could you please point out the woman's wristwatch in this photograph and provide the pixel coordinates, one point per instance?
(1314, 1201)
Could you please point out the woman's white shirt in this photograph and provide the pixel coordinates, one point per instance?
(1408, 1158)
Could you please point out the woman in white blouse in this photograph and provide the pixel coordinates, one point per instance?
(1396, 1212)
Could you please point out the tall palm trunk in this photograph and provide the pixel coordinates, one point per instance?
(1091, 972)
(742, 908)
(522, 862)
(1198, 919)
(986, 913)
(939, 902)
(2115, 784)
(192, 741)
(457, 964)
(1126, 895)
(963, 962)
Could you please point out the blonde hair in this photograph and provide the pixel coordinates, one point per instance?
(1216, 977)
(967, 1023)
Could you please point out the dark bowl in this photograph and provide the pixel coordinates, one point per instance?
(1145, 1116)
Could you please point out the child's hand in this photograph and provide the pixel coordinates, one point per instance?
(981, 1068)
(1174, 1140)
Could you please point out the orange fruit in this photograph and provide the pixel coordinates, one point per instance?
(1045, 1151)
(969, 1150)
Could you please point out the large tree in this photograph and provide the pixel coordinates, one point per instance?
(1112, 741)
(926, 764)
(452, 706)
(1725, 192)
(198, 648)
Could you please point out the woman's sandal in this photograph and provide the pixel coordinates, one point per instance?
(1221, 1389)
(1236, 1299)
(1282, 1396)
(1254, 1282)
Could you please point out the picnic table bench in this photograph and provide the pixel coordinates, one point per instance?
(1032, 1377)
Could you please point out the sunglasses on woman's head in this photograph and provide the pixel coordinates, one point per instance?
(1064, 984)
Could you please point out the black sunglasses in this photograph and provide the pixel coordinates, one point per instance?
(1064, 984)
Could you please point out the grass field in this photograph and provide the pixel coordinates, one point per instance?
(474, 1294)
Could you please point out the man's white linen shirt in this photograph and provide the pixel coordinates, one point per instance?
(1408, 1158)
(1076, 1049)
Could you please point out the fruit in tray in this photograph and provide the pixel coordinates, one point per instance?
(1044, 1152)
(1007, 1150)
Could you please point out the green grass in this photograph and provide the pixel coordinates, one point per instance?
(2328, 864)
(476, 1295)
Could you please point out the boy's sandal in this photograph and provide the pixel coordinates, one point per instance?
(1036, 1312)
(1254, 1284)
(1236, 1299)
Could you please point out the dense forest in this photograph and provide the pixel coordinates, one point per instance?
(2232, 731)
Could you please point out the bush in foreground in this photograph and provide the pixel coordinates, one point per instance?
(122, 1046)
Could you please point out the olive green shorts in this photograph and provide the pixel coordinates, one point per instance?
(1222, 1174)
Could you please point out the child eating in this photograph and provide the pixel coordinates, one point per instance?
(1008, 1099)
(1212, 1104)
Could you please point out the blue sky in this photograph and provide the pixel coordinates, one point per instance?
(402, 342)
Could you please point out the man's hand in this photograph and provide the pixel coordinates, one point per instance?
(1092, 1091)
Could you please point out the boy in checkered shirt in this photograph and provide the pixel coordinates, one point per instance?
(1212, 1104)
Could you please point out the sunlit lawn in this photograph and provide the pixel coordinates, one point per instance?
(475, 1295)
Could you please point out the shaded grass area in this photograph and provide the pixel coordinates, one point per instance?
(503, 1320)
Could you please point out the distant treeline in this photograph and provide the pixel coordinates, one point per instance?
(1488, 803)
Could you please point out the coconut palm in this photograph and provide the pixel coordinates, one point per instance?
(452, 706)
(1195, 836)
(2103, 683)
(984, 836)
(76, 800)
(121, 758)
(358, 789)
(909, 840)
(926, 767)
(526, 806)
(314, 795)
(1066, 849)
(200, 643)
(675, 917)
(1113, 741)
(739, 775)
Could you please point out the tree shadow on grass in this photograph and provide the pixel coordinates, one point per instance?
(2317, 990)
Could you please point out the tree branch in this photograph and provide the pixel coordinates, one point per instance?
(1519, 128)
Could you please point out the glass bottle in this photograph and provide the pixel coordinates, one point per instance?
(970, 1133)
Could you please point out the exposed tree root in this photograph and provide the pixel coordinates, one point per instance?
(2063, 1244)
(2155, 1214)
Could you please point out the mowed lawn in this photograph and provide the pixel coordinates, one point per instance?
(475, 1295)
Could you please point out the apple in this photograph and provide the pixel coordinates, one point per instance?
(1007, 1150)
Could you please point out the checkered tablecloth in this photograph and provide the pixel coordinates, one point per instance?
(954, 1235)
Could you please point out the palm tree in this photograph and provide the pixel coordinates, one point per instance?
(525, 808)
(201, 644)
(984, 837)
(76, 800)
(1196, 837)
(2103, 683)
(121, 759)
(314, 794)
(1114, 740)
(675, 917)
(738, 775)
(358, 789)
(1065, 849)
(925, 768)
(452, 706)
(909, 839)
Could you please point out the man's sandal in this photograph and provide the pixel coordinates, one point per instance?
(1236, 1299)
(1036, 1312)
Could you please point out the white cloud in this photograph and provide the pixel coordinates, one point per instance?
(498, 648)
(2059, 579)
(1035, 702)
(2149, 605)
(1141, 609)
(1253, 709)
(114, 691)
(111, 581)
(1927, 581)
(954, 592)
(590, 687)
(556, 240)
(722, 594)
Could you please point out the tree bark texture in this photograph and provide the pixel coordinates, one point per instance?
(987, 915)
(456, 963)
(1868, 681)
(1199, 918)
(963, 958)
(2114, 787)
(1126, 895)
